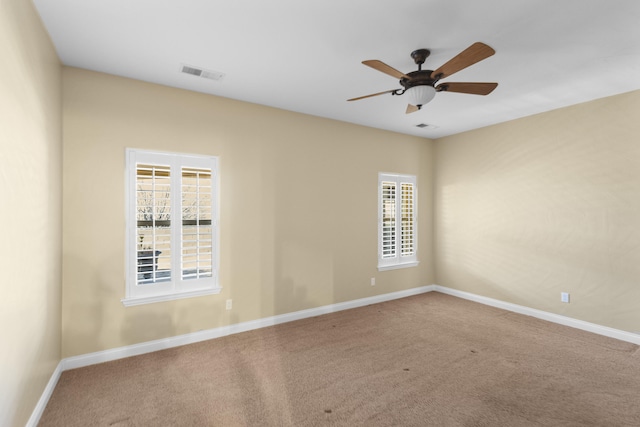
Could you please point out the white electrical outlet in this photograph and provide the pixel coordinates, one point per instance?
(229, 304)
(373, 281)
(564, 296)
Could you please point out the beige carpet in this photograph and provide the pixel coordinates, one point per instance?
(428, 360)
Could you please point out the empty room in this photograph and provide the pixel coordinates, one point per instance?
(285, 213)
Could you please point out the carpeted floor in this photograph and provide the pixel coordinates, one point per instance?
(428, 360)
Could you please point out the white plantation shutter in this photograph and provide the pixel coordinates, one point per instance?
(197, 237)
(388, 219)
(172, 227)
(408, 219)
(153, 223)
(397, 221)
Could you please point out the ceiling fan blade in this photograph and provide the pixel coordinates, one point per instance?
(373, 94)
(474, 53)
(472, 88)
(387, 69)
(411, 109)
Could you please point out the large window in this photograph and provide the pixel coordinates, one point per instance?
(172, 226)
(397, 221)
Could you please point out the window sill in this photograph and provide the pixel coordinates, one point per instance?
(397, 266)
(128, 302)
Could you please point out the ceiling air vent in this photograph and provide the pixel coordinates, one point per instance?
(426, 126)
(201, 72)
(190, 70)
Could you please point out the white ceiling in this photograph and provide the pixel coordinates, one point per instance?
(306, 56)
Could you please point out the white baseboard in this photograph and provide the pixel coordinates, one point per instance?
(161, 344)
(34, 419)
(551, 317)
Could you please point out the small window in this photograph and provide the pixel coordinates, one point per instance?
(397, 221)
(172, 226)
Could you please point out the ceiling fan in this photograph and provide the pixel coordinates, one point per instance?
(420, 85)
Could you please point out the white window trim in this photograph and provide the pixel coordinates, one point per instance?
(176, 288)
(398, 261)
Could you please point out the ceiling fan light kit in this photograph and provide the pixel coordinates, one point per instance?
(420, 85)
(420, 95)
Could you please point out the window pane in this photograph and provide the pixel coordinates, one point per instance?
(153, 215)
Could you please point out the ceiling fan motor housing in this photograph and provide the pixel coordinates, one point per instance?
(418, 78)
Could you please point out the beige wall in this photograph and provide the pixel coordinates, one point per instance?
(298, 207)
(30, 188)
(546, 204)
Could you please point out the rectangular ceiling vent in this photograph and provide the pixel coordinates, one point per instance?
(426, 126)
(190, 70)
(201, 72)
